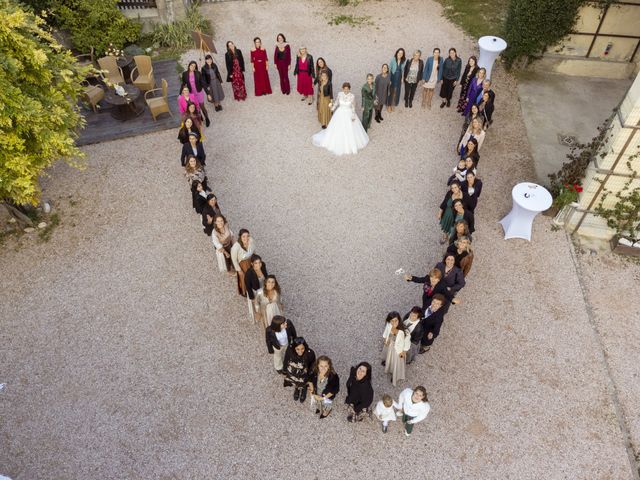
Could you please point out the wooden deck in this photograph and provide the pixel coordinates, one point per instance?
(102, 127)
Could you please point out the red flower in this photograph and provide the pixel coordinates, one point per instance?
(578, 188)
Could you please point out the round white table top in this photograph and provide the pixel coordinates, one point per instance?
(492, 44)
(531, 197)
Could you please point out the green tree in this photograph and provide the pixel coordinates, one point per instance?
(97, 24)
(39, 88)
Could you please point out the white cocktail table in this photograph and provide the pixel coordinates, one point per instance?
(490, 47)
(529, 199)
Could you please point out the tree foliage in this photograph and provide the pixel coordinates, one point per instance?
(96, 23)
(534, 25)
(39, 88)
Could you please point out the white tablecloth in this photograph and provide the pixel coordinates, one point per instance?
(529, 199)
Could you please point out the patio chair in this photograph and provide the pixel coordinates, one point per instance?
(158, 105)
(144, 68)
(93, 94)
(87, 59)
(109, 65)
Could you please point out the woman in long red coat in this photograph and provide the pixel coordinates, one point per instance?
(260, 69)
(282, 59)
(305, 72)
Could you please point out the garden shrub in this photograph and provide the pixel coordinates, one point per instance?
(97, 24)
(534, 25)
(177, 35)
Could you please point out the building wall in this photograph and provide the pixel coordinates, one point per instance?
(617, 165)
(598, 47)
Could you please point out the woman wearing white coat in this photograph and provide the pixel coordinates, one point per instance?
(415, 407)
(397, 343)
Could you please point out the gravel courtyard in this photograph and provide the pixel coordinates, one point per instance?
(128, 356)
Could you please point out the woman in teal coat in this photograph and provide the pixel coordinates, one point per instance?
(396, 68)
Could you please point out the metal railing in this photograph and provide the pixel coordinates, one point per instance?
(131, 4)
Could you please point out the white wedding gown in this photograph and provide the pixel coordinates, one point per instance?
(345, 134)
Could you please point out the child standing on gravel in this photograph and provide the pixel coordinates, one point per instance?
(385, 411)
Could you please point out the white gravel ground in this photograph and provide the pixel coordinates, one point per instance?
(127, 355)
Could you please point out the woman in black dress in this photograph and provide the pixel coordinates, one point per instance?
(298, 363)
(472, 187)
(461, 250)
(359, 392)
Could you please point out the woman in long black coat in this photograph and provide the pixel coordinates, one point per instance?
(359, 392)
(279, 335)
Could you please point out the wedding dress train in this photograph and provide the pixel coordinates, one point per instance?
(345, 134)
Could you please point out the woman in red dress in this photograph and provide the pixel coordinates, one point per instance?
(260, 69)
(305, 73)
(282, 59)
(235, 71)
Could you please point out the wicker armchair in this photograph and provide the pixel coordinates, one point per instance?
(92, 94)
(109, 65)
(144, 69)
(158, 105)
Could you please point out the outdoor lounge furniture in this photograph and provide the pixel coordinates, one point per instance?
(93, 94)
(111, 72)
(144, 69)
(158, 105)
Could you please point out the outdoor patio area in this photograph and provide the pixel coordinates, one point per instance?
(102, 126)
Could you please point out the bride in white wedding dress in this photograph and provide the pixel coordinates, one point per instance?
(345, 134)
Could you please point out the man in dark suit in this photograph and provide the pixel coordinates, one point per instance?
(432, 321)
(195, 148)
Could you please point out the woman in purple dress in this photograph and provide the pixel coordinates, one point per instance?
(197, 86)
(282, 59)
(475, 87)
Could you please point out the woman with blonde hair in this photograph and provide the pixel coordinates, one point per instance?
(269, 301)
(474, 130)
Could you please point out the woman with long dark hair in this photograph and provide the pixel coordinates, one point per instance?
(359, 392)
(222, 238)
(269, 300)
(382, 82)
(279, 335)
(282, 60)
(324, 385)
(241, 257)
(298, 364)
(396, 346)
(235, 71)
(470, 70)
(396, 68)
(194, 80)
(213, 80)
(451, 68)
(260, 63)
